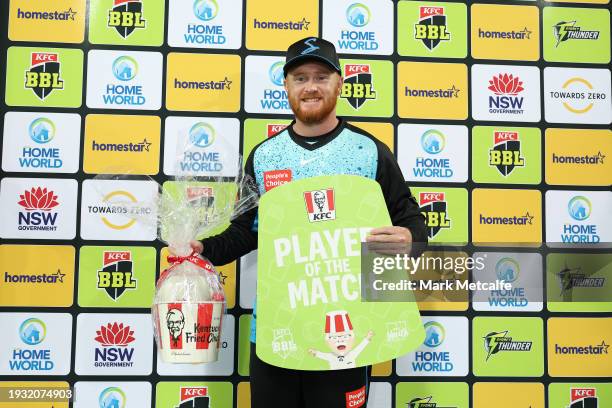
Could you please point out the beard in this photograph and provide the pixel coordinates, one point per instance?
(312, 116)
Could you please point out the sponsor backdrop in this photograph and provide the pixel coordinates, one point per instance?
(497, 111)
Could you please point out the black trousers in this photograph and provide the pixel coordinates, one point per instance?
(276, 387)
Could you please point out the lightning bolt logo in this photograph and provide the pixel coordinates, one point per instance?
(562, 30)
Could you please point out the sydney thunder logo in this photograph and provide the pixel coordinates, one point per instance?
(426, 402)
(506, 152)
(434, 208)
(567, 30)
(126, 16)
(43, 76)
(431, 28)
(358, 85)
(496, 342)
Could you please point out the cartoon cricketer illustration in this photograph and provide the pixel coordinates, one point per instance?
(341, 339)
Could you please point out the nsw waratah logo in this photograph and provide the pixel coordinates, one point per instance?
(320, 205)
(41, 130)
(276, 73)
(506, 88)
(115, 334)
(433, 141)
(507, 269)
(112, 397)
(202, 135)
(32, 331)
(125, 68)
(38, 199)
(205, 10)
(358, 15)
(38, 203)
(43, 76)
(579, 208)
(434, 334)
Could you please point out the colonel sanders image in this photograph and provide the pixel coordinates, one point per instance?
(341, 340)
(175, 321)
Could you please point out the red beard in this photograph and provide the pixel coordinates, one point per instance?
(312, 116)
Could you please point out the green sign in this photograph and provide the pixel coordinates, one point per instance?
(579, 282)
(445, 211)
(194, 394)
(116, 276)
(432, 394)
(563, 395)
(506, 155)
(44, 77)
(576, 35)
(258, 130)
(432, 29)
(309, 310)
(244, 344)
(127, 23)
(367, 89)
(508, 346)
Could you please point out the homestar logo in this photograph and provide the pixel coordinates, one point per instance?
(139, 147)
(433, 361)
(112, 397)
(496, 342)
(320, 205)
(431, 28)
(432, 142)
(32, 332)
(301, 25)
(358, 85)
(46, 15)
(452, 92)
(570, 278)
(43, 76)
(275, 99)
(505, 88)
(222, 85)
(586, 159)
(579, 208)
(41, 131)
(114, 339)
(44, 278)
(38, 204)
(358, 15)
(591, 349)
(116, 274)
(526, 219)
(194, 397)
(206, 11)
(124, 69)
(435, 209)
(524, 34)
(577, 95)
(508, 270)
(126, 16)
(198, 157)
(506, 152)
(567, 30)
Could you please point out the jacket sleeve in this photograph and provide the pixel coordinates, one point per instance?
(403, 207)
(239, 238)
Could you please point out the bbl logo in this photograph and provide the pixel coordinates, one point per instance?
(434, 334)
(202, 135)
(496, 342)
(205, 10)
(583, 398)
(358, 15)
(112, 397)
(320, 205)
(506, 152)
(125, 68)
(42, 130)
(194, 397)
(431, 28)
(567, 30)
(507, 269)
(126, 16)
(433, 141)
(116, 273)
(579, 208)
(434, 208)
(357, 87)
(44, 74)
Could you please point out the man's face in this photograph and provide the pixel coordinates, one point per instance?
(313, 89)
(175, 325)
(341, 343)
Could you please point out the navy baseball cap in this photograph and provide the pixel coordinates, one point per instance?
(309, 49)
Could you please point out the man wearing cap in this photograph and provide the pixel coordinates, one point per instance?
(316, 143)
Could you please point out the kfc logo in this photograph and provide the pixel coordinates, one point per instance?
(175, 322)
(320, 205)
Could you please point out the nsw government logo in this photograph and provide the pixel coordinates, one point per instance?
(112, 397)
(320, 205)
(568, 30)
(358, 86)
(41, 131)
(33, 357)
(505, 155)
(579, 209)
(116, 275)
(500, 342)
(435, 209)
(125, 16)
(433, 361)
(358, 16)
(431, 28)
(43, 76)
(114, 348)
(205, 32)
(433, 143)
(38, 213)
(506, 89)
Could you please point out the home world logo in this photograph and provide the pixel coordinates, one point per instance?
(205, 32)
(199, 157)
(433, 361)
(508, 270)
(43, 76)
(433, 143)
(112, 397)
(358, 15)
(275, 97)
(126, 16)
(579, 209)
(41, 132)
(32, 333)
(125, 69)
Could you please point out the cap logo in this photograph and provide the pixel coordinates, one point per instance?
(311, 47)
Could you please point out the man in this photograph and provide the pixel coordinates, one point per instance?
(316, 143)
